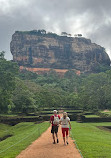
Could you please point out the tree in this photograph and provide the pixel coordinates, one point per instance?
(92, 91)
(69, 35)
(73, 100)
(79, 35)
(23, 99)
(2, 54)
(64, 33)
(8, 70)
(43, 31)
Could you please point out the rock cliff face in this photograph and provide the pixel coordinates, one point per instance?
(41, 50)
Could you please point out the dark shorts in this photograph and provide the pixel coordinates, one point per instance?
(54, 129)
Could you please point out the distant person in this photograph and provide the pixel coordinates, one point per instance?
(65, 122)
(54, 120)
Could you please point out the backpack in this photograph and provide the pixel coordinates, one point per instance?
(56, 120)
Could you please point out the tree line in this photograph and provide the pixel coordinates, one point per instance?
(25, 92)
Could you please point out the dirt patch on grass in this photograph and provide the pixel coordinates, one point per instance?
(106, 110)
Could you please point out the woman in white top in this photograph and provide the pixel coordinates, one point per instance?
(65, 122)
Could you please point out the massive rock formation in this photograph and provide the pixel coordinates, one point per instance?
(40, 50)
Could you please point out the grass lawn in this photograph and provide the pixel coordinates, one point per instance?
(23, 134)
(66, 110)
(4, 130)
(92, 141)
(8, 115)
(91, 116)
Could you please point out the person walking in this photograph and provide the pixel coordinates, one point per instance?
(54, 120)
(65, 122)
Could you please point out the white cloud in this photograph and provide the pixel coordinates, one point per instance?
(90, 18)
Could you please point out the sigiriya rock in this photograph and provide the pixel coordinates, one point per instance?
(38, 49)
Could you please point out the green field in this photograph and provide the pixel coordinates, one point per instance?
(91, 116)
(92, 141)
(7, 115)
(67, 110)
(23, 134)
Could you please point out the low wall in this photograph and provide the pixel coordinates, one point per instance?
(99, 119)
(13, 121)
(73, 117)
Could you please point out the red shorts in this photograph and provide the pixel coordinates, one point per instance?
(65, 130)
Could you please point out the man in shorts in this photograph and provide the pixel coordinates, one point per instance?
(54, 120)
